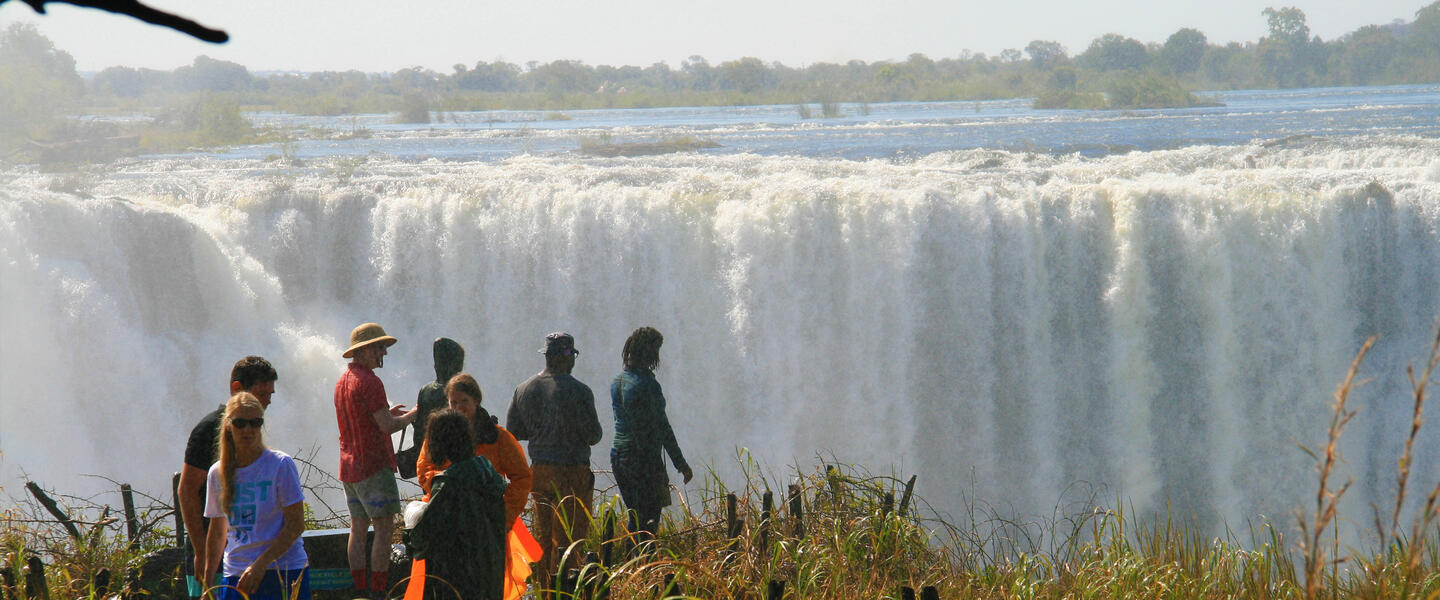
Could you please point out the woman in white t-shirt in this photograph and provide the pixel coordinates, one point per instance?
(256, 509)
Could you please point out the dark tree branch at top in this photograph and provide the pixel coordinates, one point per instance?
(149, 15)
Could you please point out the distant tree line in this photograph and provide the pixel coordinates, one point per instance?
(39, 82)
(1288, 56)
(39, 88)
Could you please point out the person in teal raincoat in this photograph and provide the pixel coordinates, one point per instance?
(642, 431)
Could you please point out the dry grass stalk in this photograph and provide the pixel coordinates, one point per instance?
(1403, 471)
(1326, 500)
(1422, 524)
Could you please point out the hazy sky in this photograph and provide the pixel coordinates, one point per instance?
(370, 35)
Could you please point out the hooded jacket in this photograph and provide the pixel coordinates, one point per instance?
(461, 536)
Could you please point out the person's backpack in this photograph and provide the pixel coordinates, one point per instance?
(406, 459)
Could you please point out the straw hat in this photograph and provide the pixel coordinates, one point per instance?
(366, 334)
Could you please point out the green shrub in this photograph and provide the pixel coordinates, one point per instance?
(38, 84)
(414, 108)
(1070, 99)
(218, 121)
(204, 120)
(1147, 90)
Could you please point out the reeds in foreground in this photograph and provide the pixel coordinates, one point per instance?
(1326, 499)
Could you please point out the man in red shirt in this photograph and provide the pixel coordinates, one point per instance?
(367, 458)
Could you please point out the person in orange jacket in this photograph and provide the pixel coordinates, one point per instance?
(491, 441)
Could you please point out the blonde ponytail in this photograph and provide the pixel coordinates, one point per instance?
(227, 446)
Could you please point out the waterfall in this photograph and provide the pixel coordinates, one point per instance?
(1164, 327)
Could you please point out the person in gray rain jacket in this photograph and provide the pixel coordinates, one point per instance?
(555, 413)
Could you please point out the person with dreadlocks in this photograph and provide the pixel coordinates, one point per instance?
(641, 431)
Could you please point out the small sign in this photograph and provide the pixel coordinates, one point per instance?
(330, 579)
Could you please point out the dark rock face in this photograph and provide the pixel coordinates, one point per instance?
(162, 573)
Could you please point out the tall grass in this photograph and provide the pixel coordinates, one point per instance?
(853, 547)
(26, 531)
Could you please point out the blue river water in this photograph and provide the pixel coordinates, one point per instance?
(889, 131)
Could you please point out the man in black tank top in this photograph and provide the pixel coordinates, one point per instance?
(251, 374)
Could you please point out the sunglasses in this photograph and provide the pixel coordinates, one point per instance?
(244, 423)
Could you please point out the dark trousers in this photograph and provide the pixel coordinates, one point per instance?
(644, 488)
(644, 522)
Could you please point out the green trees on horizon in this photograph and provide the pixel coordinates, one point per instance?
(40, 88)
(39, 83)
(1287, 56)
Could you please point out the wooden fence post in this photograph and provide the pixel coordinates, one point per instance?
(905, 499)
(569, 587)
(733, 526)
(888, 504)
(767, 505)
(560, 572)
(929, 593)
(54, 509)
(589, 576)
(99, 526)
(175, 505)
(607, 539)
(832, 475)
(732, 516)
(597, 586)
(907, 593)
(797, 509)
(35, 584)
(132, 525)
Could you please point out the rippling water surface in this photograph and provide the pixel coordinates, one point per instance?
(900, 130)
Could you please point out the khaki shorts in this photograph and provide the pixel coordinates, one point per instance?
(375, 496)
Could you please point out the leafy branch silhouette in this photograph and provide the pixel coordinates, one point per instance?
(142, 12)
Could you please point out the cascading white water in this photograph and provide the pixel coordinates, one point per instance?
(1167, 325)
